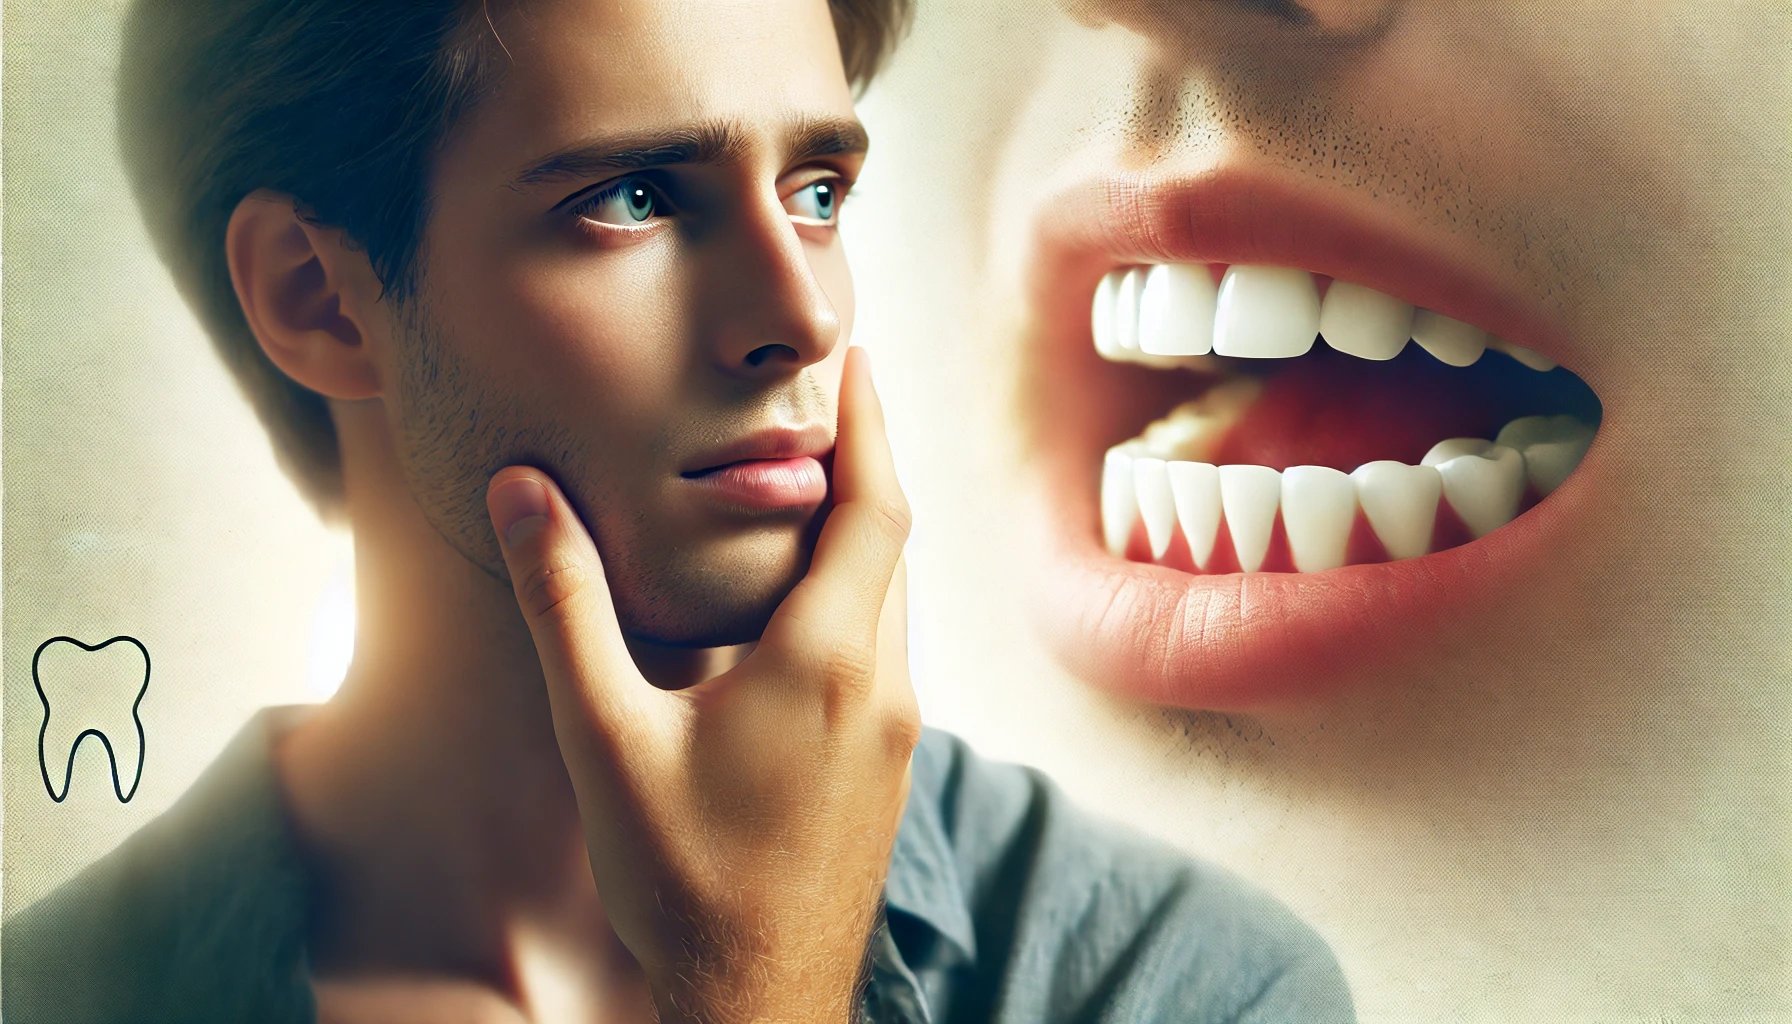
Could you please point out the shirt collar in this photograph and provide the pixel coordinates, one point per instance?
(924, 881)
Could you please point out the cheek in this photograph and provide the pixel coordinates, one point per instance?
(573, 327)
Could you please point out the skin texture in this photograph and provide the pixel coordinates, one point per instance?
(594, 699)
(1512, 812)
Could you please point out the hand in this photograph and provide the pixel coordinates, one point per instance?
(739, 830)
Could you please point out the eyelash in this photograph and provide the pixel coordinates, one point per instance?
(583, 209)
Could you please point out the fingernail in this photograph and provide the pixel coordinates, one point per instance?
(519, 509)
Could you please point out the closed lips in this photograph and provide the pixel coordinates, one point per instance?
(1330, 424)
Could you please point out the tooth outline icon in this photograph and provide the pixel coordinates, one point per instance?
(75, 747)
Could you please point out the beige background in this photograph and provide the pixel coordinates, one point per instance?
(140, 497)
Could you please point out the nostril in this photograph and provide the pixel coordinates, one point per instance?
(769, 353)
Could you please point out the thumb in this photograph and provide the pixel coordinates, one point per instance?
(593, 685)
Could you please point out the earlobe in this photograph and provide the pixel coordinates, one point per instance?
(305, 295)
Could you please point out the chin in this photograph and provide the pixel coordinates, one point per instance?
(718, 596)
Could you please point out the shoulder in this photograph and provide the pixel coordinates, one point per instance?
(1094, 911)
(202, 907)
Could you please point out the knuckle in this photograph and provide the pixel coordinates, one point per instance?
(902, 728)
(547, 587)
(894, 517)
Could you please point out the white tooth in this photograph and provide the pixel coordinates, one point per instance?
(1484, 489)
(1540, 363)
(1250, 495)
(1449, 341)
(1363, 322)
(1455, 447)
(1525, 431)
(1265, 313)
(1192, 431)
(1183, 437)
(1126, 312)
(1151, 480)
(1119, 499)
(1552, 447)
(1318, 508)
(1400, 502)
(1176, 310)
(1101, 316)
(1196, 488)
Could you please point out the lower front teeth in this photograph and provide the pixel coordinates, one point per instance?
(1318, 508)
(1249, 495)
(1482, 483)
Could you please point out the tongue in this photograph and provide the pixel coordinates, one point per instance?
(1330, 409)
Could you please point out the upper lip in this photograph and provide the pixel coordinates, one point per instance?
(782, 442)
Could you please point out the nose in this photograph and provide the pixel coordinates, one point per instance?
(1337, 20)
(769, 315)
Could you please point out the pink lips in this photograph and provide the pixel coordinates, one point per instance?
(1244, 641)
(767, 471)
(767, 484)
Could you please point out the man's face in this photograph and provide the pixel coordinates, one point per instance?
(1524, 757)
(631, 278)
(1572, 181)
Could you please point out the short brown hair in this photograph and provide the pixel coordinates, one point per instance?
(343, 105)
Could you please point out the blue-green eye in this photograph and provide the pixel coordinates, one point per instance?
(626, 203)
(819, 201)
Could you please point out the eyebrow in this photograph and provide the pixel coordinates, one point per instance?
(704, 143)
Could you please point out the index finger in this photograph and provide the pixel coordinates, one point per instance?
(841, 598)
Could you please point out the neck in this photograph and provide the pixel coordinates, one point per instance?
(428, 796)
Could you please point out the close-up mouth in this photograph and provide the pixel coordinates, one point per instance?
(1281, 433)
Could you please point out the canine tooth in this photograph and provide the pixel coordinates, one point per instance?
(1363, 322)
(1151, 481)
(1449, 341)
(1101, 315)
(1484, 488)
(1249, 495)
(69, 675)
(1176, 310)
(1318, 508)
(1195, 486)
(1540, 363)
(1265, 313)
(1126, 312)
(1400, 502)
(1552, 447)
(1455, 447)
(1119, 498)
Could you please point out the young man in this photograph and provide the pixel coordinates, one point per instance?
(545, 300)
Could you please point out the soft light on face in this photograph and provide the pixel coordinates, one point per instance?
(632, 278)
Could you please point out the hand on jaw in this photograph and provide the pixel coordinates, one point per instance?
(739, 830)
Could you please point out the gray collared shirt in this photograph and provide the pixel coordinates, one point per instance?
(1004, 904)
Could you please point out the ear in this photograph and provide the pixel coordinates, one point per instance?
(312, 300)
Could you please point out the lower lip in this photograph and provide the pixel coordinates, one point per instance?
(767, 484)
(1251, 641)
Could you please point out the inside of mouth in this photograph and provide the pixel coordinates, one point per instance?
(1324, 425)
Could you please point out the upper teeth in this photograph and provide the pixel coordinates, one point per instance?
(1173, 314)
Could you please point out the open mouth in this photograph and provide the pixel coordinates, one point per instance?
(1329, 425)
(1282, 439)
